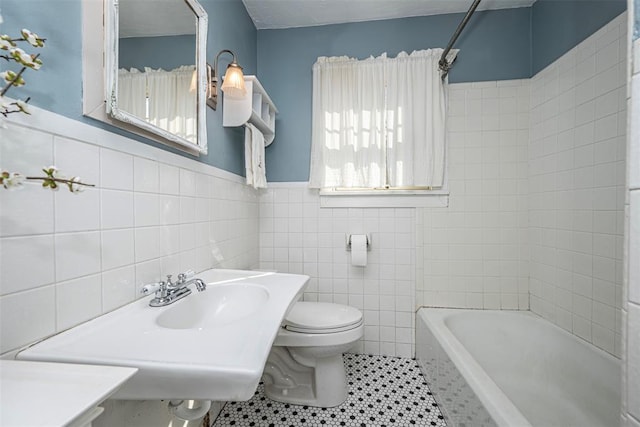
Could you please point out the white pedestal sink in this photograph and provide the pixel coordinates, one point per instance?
(211, 345)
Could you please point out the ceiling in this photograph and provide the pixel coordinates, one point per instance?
(148, 18)
(151, 18)
(270, 14)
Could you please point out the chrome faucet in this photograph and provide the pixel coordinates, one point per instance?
(168, 292)
(199, 284)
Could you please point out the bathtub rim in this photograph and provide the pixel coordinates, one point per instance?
(497, 404)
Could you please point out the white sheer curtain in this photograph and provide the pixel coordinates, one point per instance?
(132, 92)
(348, 123)
(162, 95)
(172, 106)
(378, 122)
(185, 115)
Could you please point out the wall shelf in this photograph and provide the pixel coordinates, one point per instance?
(255, 107)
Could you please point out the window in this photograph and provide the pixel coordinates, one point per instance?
(379, 123)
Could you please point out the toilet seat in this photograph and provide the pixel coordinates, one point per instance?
(305, 365)
(322, 318)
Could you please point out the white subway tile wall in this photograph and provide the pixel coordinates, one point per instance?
(67, 258)
(474, 253)
(631, 296)
(297, 236)
(576, 187)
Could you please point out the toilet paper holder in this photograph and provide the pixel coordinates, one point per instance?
(348, 241)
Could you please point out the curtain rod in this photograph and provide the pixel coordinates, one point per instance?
(445, 65)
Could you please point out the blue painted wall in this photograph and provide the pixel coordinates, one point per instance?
(58, 85)
(157, 52)
(495, 45)
(558, 26)
(506, 44)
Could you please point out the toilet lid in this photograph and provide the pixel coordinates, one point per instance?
(318, 317)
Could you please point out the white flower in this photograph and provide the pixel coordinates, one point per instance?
(20, 55)
(24, 58)
(74, 187)
(23, 106)
(54, 172)
(32, 38)
(11, 180)
(11, 77)
(5, 44)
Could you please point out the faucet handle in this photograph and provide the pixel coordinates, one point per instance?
(150, 288)
(182, 277)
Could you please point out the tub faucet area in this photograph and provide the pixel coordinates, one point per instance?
(167, 292)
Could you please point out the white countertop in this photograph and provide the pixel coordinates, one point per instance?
(37, 394)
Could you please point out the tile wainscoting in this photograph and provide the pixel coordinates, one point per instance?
(298, 236)
(67, 258)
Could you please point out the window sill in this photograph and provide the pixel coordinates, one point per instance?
(388, 199)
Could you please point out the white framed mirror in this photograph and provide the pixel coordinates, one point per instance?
(153, 67)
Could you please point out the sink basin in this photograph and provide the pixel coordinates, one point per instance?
(211, 345)
(218, 306)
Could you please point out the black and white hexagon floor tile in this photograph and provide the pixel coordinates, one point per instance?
(383, 391)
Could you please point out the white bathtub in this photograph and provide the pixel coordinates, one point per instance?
(510, 368)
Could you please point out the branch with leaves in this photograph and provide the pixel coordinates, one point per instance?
(53, 179)
(9, 51)
(12, 78)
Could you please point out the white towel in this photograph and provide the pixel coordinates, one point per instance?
(254, 157)
(248, 163)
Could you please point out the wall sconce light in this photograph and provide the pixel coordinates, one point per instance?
(232, 84)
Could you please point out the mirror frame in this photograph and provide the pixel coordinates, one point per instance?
(100, 58)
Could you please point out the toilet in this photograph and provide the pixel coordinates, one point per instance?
(305, 365)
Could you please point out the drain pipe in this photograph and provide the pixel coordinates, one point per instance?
(180, 409)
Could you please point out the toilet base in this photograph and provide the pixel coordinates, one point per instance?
(293, 375)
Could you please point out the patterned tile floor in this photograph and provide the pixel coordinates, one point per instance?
(383, 392)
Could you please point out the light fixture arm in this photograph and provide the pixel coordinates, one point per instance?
(215, 62)
(212, 76)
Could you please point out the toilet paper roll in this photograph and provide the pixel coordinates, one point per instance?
(359, 250)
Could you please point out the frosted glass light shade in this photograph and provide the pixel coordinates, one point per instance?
(233, 83)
